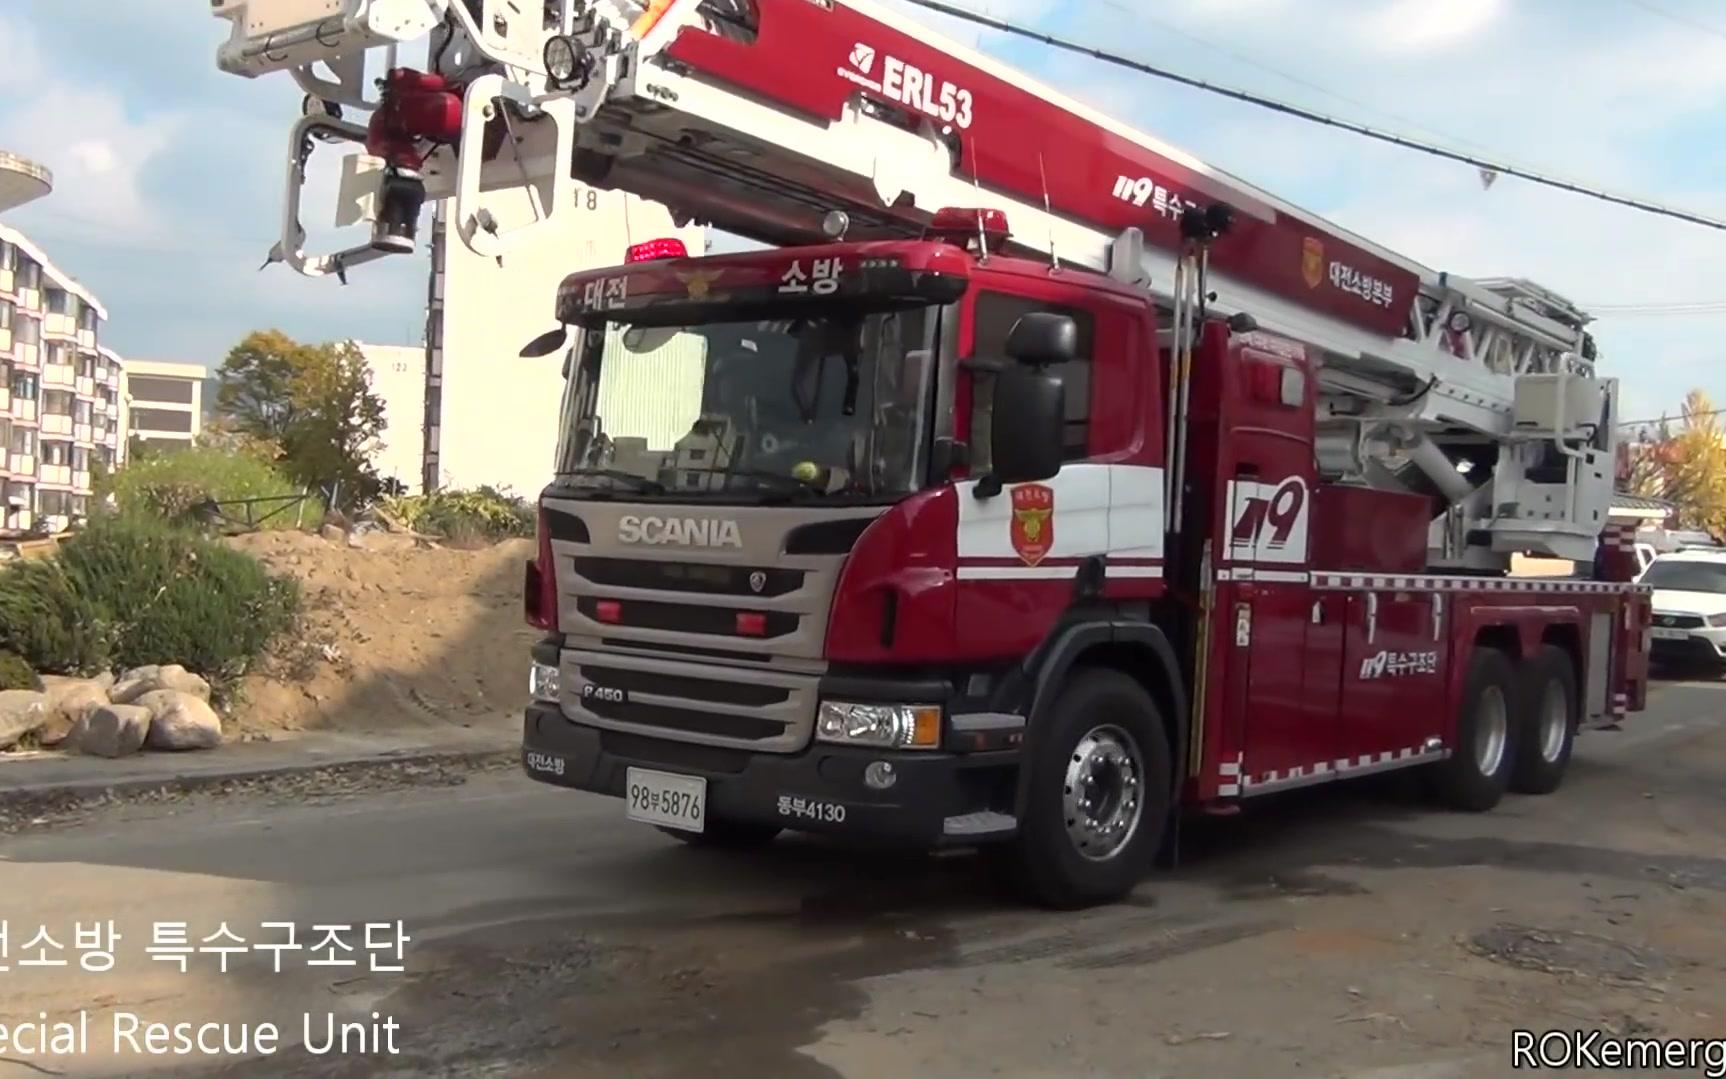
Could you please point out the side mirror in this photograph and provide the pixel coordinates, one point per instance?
(545, 344)
(1027, 428)
(1043, 339)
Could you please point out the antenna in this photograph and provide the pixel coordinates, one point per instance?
(977, 185)
(1054, 256)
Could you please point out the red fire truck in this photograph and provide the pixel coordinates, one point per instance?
(1040, 486)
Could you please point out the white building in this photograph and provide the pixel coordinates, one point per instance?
(398, 377)
(58, 391)
(488, 416)
(164, 402)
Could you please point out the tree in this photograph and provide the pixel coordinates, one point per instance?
(312, 404)
(1686, 468)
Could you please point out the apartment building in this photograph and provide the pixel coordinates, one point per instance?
(58, 387)
(164, 402)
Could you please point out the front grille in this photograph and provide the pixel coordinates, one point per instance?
(686, 700)
(704, 689)
(1678, 621)
(688, 618)
(698, 577)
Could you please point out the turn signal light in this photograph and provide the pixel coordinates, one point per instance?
(608, 610)
(751, 624)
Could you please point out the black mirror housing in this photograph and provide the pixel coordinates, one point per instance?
(1027, 425)
(1043, 339)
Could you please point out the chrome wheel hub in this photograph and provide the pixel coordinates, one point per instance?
(1554, 721)
(1102, 796)
(1492, 731)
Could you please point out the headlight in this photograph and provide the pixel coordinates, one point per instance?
(542, 682)
(1716, 619)
(888, 726)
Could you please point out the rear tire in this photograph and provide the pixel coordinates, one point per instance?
(1477, 773)
(1548, 722)
(1099, 795)
(727, 835)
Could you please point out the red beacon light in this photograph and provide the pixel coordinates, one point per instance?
(655, 250)
(958, 224)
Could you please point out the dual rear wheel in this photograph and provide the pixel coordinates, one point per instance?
(1514, 731)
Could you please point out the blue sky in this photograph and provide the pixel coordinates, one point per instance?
(169, 172)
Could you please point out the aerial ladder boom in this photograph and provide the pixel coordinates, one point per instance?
(793, 121)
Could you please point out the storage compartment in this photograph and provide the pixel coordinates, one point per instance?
(1360, 529)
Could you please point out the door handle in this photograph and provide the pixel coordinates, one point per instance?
(1371, 616)
(1437, 616)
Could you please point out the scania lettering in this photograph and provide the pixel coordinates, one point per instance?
(988, 505)
(679, 531)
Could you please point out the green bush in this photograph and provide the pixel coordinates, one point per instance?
(16, 674)
(173, 484)
(483, 513)
(130, 590)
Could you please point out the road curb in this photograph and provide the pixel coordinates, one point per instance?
(81, 792)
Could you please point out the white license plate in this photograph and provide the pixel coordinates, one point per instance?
(662, 798)
(1671, 634)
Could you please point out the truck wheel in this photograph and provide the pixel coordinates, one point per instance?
(1477, 772)
(1549, 724)
(1099, 794)
(727, 835)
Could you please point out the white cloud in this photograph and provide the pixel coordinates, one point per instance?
(20, 57)
(1422, 25)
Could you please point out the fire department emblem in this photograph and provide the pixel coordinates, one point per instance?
(1312, 262)
(757, 581)
(1033, 525)
(699, 283)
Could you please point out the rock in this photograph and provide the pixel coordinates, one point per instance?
(180, 720)
(141, 680)
(73, 698)
(22, 711)
(56, 730)
(333, 533)
(113, 730)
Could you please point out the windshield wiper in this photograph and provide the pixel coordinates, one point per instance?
(637, 482)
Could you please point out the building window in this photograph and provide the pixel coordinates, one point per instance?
(54, 503)
(27, 331)
(24, 386)
(56, 453)
(162, 420)
(81, 411)
(58, 353)
(5, 314)
(80, 459)
(87, 317)
(29, 274)
(59, 301)
(86, 366)
(23, 441)
(164, 391)
(8, 256)
(57, 403)
(997, 314)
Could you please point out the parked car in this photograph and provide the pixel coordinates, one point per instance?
(1689, 606)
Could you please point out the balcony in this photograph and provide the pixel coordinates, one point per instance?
(26, 357)
(24, 408)
(56, 423)
(86, 338)
(54, 475)
(82, 432)
(6, 339)
(23, 464)
(63, 375)
(100, 407)
(5, 399)
(82, 483)
(85, 386)
(59, 325)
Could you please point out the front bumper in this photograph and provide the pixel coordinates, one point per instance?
(1699, 646)
(939, 799)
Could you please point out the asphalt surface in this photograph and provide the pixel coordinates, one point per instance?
(1344, 931)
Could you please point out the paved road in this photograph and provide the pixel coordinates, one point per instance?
(1339, 931)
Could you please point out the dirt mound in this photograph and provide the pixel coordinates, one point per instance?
(394, 634)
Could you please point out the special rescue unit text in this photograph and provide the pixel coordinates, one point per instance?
(321, 1034)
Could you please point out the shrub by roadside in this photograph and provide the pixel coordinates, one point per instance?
(483, 514)
(172, 484)
(131, 591)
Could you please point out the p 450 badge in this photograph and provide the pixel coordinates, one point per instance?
(604, 694)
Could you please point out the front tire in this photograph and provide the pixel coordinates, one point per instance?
(1548, 728)
(1477, 773)
(727, 835)
(1099, 795)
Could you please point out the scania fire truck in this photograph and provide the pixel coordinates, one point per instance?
(1038, 485)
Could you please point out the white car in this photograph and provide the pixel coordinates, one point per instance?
(1689, 606)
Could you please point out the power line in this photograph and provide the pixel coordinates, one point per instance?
(1673, 16)
(1287, 109)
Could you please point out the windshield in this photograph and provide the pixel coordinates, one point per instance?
(830, 406)
(1686, 576)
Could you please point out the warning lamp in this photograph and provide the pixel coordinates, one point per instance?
(958, 223)
(751, 624)
(654, 250)
(609, 611)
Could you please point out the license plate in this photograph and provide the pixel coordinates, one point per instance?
(1671, 634)
(662, 798)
